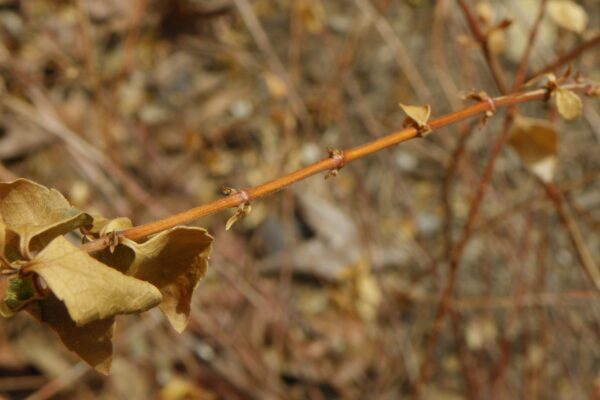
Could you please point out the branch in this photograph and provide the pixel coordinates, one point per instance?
(482, 38)
(567, 58)
(335, 162)
(520, 77)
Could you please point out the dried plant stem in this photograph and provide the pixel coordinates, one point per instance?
(585, 258)
(520, 77)
(327, 164)
(568, 57)
(482, 38)
(456, 259)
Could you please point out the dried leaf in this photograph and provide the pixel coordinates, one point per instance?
(497, 41)
(102, 226)
(2, 236)
(90, 290)
(240, 212)
(485, 12)
(417, 114)
(92, 342)
(568, 103)
(536, 143)
(174, 261)
(37, 214)
(568, 14)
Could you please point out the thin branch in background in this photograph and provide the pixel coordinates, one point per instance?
(264, 44)
(522, 71)
(583, 254)
(404, 59)
(457, 256)
(568, 57)
(482, 38)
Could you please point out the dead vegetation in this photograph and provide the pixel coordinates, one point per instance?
(449, 267)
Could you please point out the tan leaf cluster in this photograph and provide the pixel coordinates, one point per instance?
(78, 295)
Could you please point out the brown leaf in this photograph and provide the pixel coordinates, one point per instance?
(92, 342)
(240, 212)
(568, 103)
(90, 289)
(2, 236)
(536, 143)
(174, 261)
(37, 214)
(418, 114)
(102, 226)
(568, 14)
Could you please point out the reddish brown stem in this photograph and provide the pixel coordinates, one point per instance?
(568, 57)
(327, 164)
(585, 258)
(456, 259)
(482, 38)
(520, 78)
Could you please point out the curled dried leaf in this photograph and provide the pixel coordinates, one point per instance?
(37, 214)
(536, 143)
(242, 210)
(174, 261)
(102, 226)
(568, 103)
(90, 290)
(417, 115)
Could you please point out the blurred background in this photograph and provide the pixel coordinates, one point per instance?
(329, 289)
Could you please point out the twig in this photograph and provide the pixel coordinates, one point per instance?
(568, 57)
(522, 71)
(386, 31)
(482, 38)
(262, 41)
(585, 258)
(457, 255)
(326, 164)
